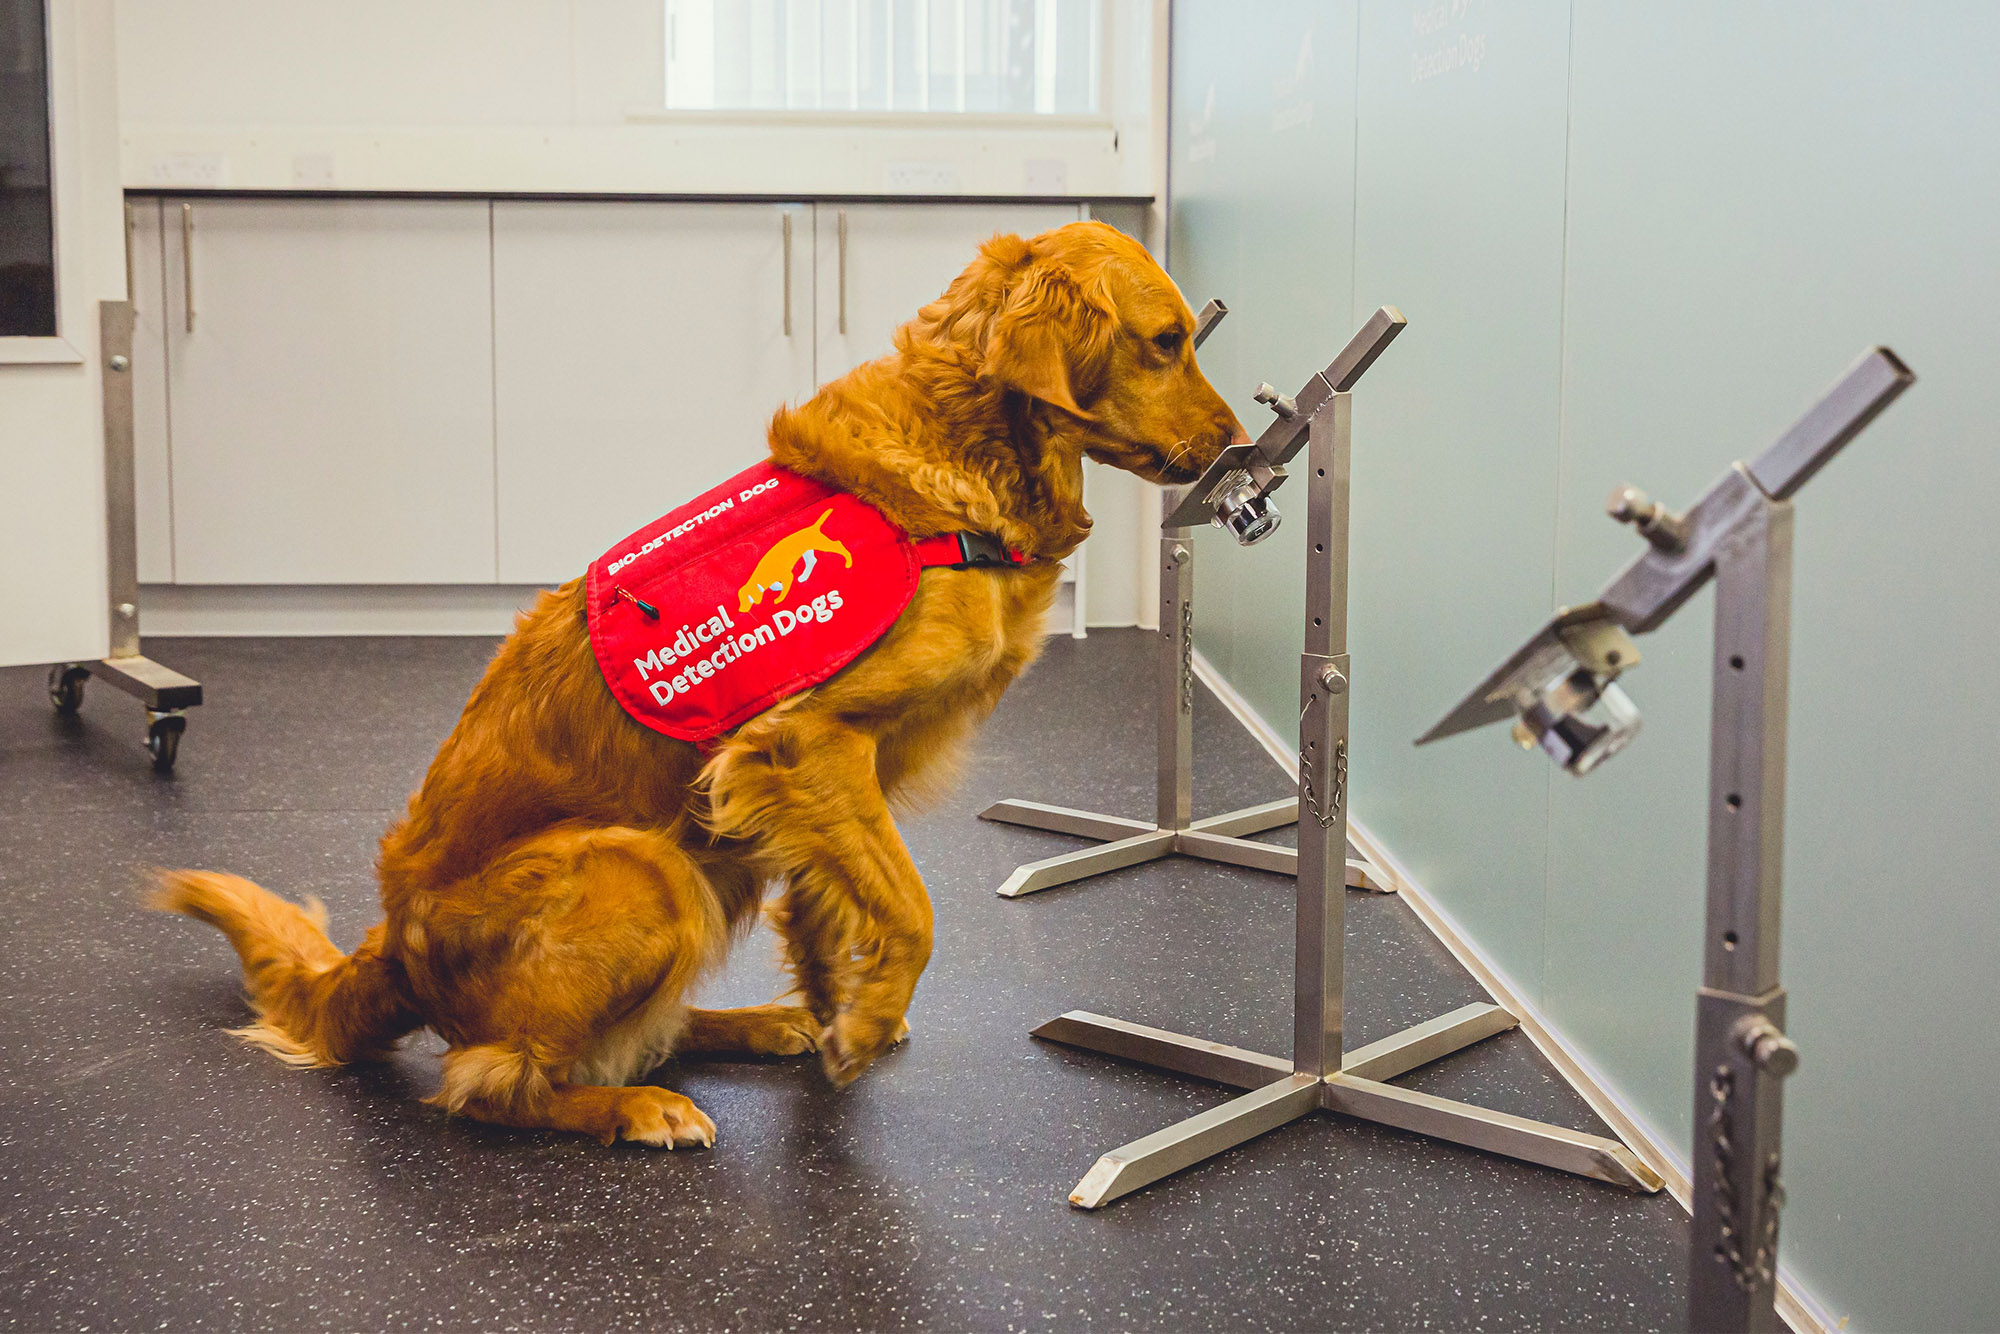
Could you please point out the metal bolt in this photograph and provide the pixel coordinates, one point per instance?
(127, 610)
(1179, 554)
(119, 363)
(1269, 396)
(1660, 526)
(1773, 1052)
(1628, 504)
(1330, 677)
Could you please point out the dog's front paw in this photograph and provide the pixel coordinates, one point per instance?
(663, 1119)
(791, 1031)
(851, 1042)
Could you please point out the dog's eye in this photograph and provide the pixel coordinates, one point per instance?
(1170, 341)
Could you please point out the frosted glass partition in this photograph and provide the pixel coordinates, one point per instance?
(1632, 241)
(1256, 173)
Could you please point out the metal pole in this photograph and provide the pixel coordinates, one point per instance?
(1175, 673)
(1741, 1053)
(120, 499)
(1320, 924)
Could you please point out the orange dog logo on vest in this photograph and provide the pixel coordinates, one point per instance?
(802, 549)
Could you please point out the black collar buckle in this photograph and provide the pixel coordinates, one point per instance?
(976, 550)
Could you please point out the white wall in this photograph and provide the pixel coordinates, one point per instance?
(566, 96)
(546, 96)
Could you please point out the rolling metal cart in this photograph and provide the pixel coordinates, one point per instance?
(165, 694)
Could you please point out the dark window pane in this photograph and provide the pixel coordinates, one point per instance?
(27, 222)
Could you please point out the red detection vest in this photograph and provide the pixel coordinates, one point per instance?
(761, 588)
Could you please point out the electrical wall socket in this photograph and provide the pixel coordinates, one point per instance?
(194, 171)
(312, 171)
(921, 178)
(1045, 176)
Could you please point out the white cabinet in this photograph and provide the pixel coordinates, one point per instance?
(639, 351)
(896, 258)
(453, 392)
(332, 402)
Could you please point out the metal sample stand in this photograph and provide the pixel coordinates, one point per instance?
(1320, 1076)
(1174, 830)
(1560, 685)
(166, 694)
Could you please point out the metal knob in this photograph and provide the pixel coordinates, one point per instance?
(1774, 1053)
(1287, 408)
(119, 363)
(1330, 677)
(1666, 530)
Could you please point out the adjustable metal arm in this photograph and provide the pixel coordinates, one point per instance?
(1682, 552)
(1247, 474)
(1654, 586)
(1204, 323)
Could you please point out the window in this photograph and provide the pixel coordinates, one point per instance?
(1011, 57)
(27, 220)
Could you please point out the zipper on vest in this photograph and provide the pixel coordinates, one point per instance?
(637, 601)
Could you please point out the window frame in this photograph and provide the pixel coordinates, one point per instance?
(1100, 84)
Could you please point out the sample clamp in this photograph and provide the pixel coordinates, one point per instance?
(1235, 493)
(1320, 1076)
(1561, 688)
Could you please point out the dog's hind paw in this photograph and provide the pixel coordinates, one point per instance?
(663, 1119)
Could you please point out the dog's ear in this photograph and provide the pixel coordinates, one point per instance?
(1050, 340)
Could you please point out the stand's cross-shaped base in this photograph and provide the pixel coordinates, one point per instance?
(1218, 838)
(1280, 1094)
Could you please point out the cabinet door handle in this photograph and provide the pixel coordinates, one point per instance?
(187, 264)
(787, 215)
(840, 228)
(131, 292)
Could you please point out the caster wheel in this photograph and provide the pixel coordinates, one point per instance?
(66, 687)
(163, 740)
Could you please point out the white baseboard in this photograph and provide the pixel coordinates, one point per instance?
(1799, 1308)
(236, 611)
(346, 609)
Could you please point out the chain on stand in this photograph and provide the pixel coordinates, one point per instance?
(1187, 655)
(1761, 1264)
(1722, 1144)
(1767, 1232)
(1338, 795)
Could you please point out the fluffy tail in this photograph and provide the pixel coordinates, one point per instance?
(315, 1005)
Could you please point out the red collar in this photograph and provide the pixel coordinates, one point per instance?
(966, 551)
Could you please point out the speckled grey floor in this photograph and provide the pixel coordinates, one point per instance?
(153, 1172)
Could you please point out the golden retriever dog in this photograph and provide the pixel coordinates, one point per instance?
(565, 875)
